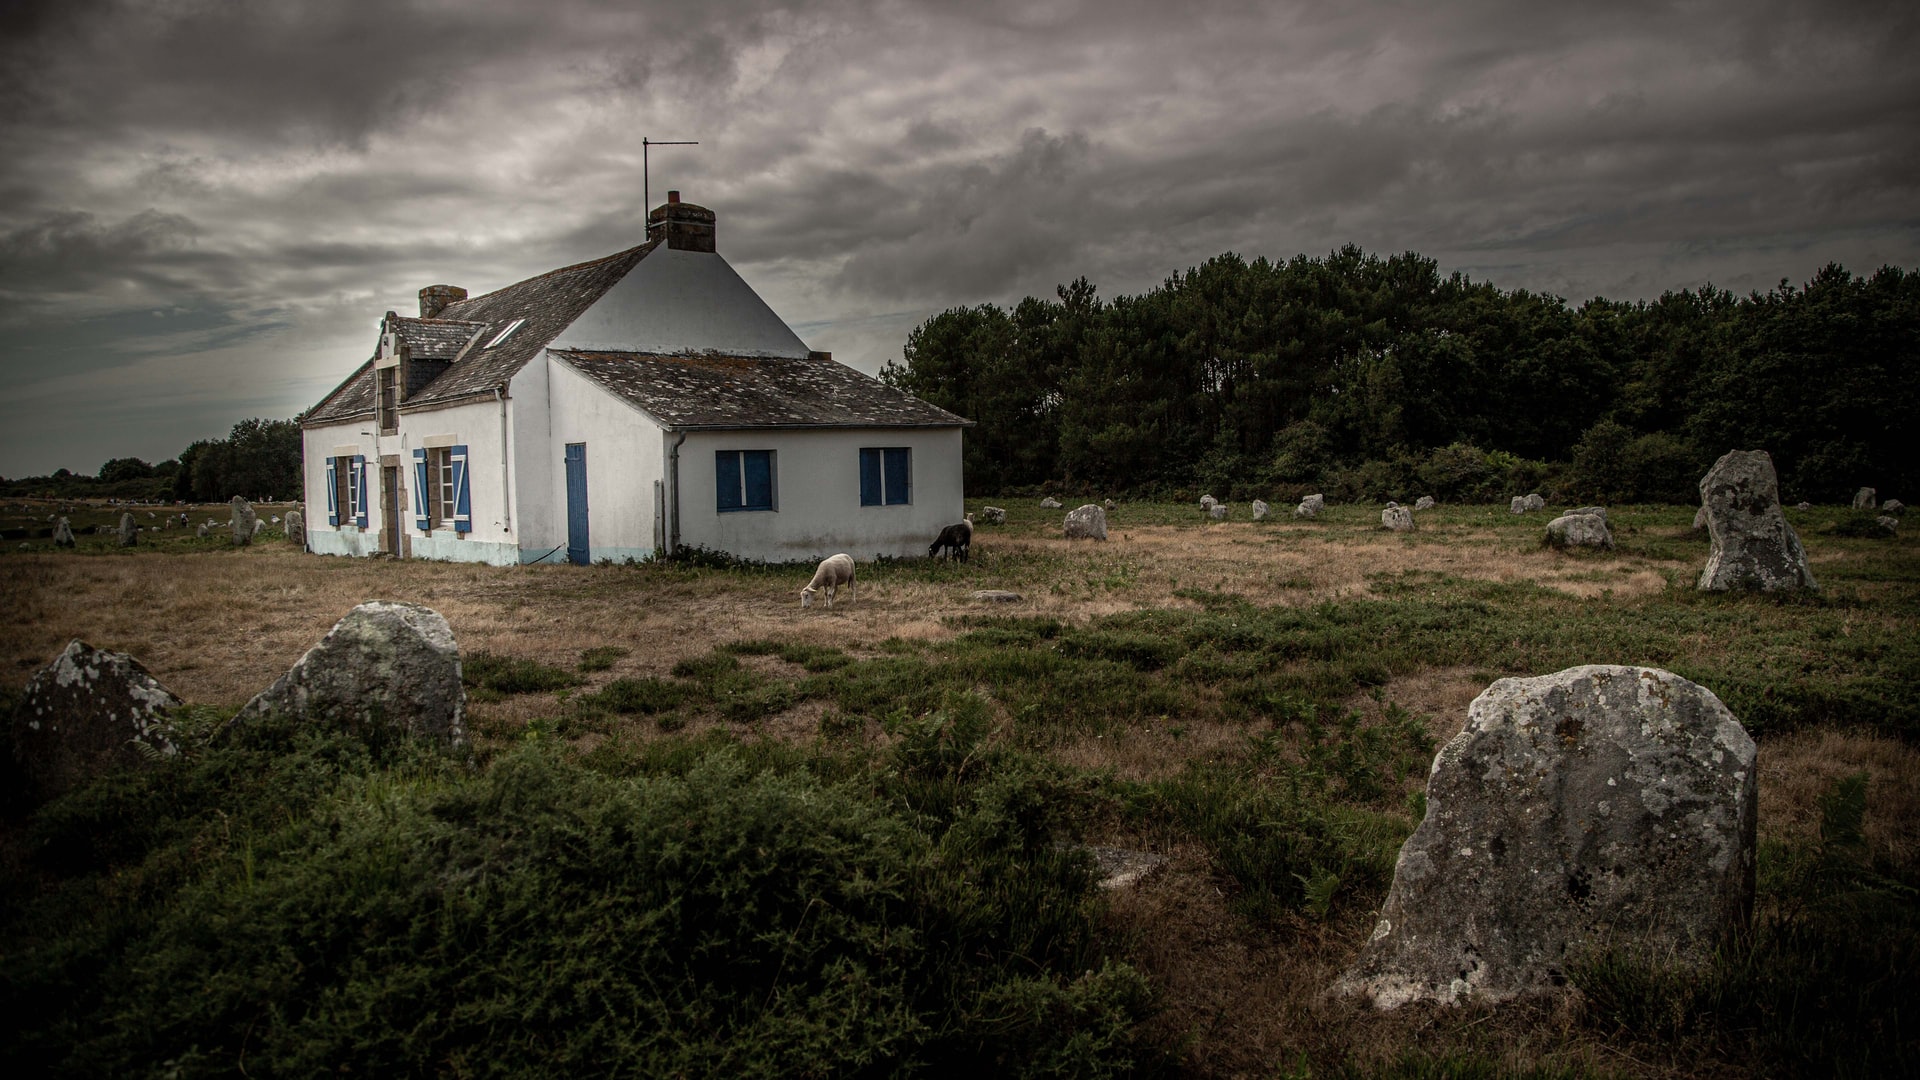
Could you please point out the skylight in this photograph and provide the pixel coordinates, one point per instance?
(507, 333)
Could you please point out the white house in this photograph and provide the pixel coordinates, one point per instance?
(634, 404)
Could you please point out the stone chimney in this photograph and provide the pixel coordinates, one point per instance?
(435, 298)
(685, 226)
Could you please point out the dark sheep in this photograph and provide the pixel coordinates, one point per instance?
(955, 538)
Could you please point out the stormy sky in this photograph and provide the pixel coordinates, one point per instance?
(207, 205)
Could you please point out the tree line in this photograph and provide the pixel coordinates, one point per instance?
(1372, 378)
(257, 459)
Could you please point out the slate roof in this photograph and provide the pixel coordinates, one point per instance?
(713, 390)
(549, 303)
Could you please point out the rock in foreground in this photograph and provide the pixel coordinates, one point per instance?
(1598, 807)
(386, 666)
(88, 712)
(1753, 546)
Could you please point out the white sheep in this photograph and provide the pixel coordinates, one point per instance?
(834, 571)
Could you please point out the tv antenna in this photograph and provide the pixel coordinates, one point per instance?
(646, 191)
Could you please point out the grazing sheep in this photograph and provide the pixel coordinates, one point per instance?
(834, 571)
(956, 538)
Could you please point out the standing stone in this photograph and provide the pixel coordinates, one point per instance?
(386, 666)
(1424, 502)
(296, 529)
(1217, 512)
(1207, 502)
(1261, 510)
(1598, 807)
(1797, 506)
(242, 521)
(201, 532)
(258, 528)
(993, 515)
(1109, 504)
(1397, 518)
(1891, 524)
(1574, 529)
(1865, 499)
(1050, 503)
(1700, 517)
(63, 534)
(1089, 522)
(129, 532)
(1753, 546)
(1535, 502)
(88, 712)
(1893, 506)
(1517, 506)
(1310, 506)
(1597, 511)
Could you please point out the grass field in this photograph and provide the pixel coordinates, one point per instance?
(1257, 701)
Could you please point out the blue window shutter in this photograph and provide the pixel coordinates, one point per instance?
(462, 505)
(360, 479)
(726, 479)
(333, 493)
(758, 465)
(421, 519)
(899, 476)
(869, 478)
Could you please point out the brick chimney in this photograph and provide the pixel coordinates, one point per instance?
(685, 226)
(435, 298)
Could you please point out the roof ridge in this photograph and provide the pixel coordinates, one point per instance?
(601, 261)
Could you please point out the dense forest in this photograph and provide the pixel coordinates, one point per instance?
(257, 459)
(1371, 378)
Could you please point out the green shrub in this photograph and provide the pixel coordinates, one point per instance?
(601, 657)
(513, 675)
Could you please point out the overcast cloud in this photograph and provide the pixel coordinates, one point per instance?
(206, 205)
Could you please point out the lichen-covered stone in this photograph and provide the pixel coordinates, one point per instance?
(1534, 502)
(1597, 808)
(1050, 503)
(1517, 506)
(242, 520)
(1599, 511)
(1310, 506)
(1397, 518)
(1088, 522)
(385, 666)
(993, 515)
(1261, 509)
(88, 712)
(1109, 504)
(1217, 512)
(1574, 529)
(1891, 524)
(63, 534)
(1753, 546)
(1207, 502)
(1424, 502)
(1865, 499)
(994, 596)
(129, 533)
(1892, 506)
(296, 529)
(1700, 517)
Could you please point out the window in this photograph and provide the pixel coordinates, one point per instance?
(507, 333)
(886, 476)
(346, 488)
(440, 496)
(440, 488)
(389, 400)
(744, 479)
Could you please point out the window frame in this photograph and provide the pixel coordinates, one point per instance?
(742, 477)
(386, 392)
(884, 496)
(346, 490)
(442, 494)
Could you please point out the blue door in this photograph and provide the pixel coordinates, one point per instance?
(577, 503)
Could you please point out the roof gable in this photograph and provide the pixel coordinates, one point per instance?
(682, 301)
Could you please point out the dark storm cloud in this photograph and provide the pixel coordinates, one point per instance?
(218, 198)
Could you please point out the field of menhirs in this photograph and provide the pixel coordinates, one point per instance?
(705, 832)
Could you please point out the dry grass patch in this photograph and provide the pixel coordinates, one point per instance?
(1798, 767)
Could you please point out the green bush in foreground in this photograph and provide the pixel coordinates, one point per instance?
(304, 907)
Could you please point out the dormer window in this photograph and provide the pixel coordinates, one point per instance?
(507, 333)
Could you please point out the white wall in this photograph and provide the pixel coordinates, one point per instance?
(624, 458)
(477, 426)
(817, 492)
(675, 301)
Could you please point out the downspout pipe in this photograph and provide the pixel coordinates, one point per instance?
(673, 473)
(506, 479)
